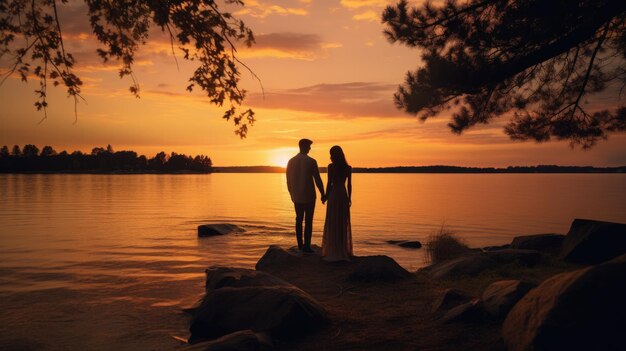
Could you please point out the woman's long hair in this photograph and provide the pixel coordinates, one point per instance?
(339, 159)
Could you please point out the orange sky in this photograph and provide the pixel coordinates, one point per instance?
(329, 75)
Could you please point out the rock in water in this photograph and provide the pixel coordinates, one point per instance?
(580, 310)
(217, 229)
(281, 311)
(539, 242)
(413, 244)
(379, 267)
(592, 242)
(409, 244)
(499, 297)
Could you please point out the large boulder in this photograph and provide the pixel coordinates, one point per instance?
(499, 297)
(580, 310)
(220, 277)
(539, 242)
(527, 258)
(205, 230)
(471, 265)
(277, 258)
(592, 242)
(244, 340)
(281, 311)
(378, 268)
(449, 299)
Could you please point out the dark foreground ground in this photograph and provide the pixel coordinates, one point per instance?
(396, 315)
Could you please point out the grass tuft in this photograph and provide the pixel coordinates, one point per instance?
(444, 245)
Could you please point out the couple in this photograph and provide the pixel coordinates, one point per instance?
(302, 173)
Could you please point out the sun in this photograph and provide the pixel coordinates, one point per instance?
(280, 157)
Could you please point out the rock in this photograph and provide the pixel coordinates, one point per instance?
(217, 229)
(495, 248)
(579, 310)
(244, 340)
(450, 299)
(409, 244)
(539, 242)
(467, 265)
(527, 258)
(281, 311)
(220, 277)
(592, 242)
(499, 297)
(277, 257)
(468, 312)
(378, 268)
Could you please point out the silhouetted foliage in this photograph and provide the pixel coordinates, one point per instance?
(30, 34)
(16, 151)
(539, 59)
(100, 160)
(30, 150)
(47, 151)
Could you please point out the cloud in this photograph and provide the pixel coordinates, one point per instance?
(260, 9)
(302, 46)
(357, 4)
(369, 15)
(346, 100)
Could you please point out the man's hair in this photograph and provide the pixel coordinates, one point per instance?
(304, 143)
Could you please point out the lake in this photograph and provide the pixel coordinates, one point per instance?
(108, 261)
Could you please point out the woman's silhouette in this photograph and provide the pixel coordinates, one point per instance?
(337, 239)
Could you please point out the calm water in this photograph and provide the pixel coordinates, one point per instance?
(120, 250)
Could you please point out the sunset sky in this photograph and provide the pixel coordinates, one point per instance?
(329, 75)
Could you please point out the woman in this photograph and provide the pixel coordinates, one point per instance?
(337, 239)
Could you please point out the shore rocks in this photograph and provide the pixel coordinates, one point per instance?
(220, 277)
(579, 310)
(282, 311)
(526, 258)
(449, 299)
(497, 247)
(499, 297)
(244, 340)
(468, 312)
(205, 230)
(277, 257)
(239, 299)
(409, 244)
(467, 265)
(592, 242)
(379, 267)
(539, 242)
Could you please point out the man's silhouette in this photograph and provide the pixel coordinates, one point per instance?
(302, 171)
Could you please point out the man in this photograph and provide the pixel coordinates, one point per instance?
(302, 171)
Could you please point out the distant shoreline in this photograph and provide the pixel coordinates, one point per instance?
(545, 169)
(439, 169)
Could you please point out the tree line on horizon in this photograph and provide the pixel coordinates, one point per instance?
(101, 159)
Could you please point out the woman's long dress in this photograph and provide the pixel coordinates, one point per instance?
(337, 239)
